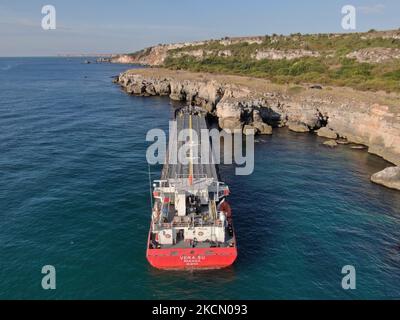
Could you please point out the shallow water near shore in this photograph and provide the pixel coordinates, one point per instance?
(74, 193)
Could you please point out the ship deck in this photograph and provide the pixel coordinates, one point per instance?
(201, 245)
(200, 171)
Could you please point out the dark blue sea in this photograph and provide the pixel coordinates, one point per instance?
(74, 193)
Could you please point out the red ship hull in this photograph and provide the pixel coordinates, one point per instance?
(191, 258)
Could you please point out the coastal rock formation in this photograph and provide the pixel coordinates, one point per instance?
(330, 143)
(358, 147)
(230, 123)
(249, 130)
(370, 119)
(275, 47)
(156, 55)
(153, 56)
(342, 142)
(229, 114)
(200, 54)
(262, 128)
(298, 127)
(258, 128)
(235, 40)
(375, 55)
(274, 54)
(390, 177)
(123, 59)
(327, 133)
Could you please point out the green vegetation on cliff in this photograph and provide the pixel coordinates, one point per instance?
(346, 72)
(368, 61)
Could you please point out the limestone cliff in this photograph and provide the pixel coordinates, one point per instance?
(371, 119)
(273, 47)
(153, 56)
(367, 119)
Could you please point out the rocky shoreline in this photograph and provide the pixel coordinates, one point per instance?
(363, 118)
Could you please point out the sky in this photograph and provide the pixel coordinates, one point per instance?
(121, 26)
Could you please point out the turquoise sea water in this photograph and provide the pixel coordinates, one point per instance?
(74, 194)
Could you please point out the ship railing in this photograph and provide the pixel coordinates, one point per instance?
(171, 225)
(186, 176)
(183, 181)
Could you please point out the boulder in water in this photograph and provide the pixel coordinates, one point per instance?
(331, 143)
(298, 127)
(249, 130)
(262, 128)
(358, 147)
(390, 177)
(342, 141)
(327, 133)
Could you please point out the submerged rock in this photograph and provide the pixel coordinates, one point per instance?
(390, 177)
(331, 143)
(358, 147)
(342, 141)
(298, 127)
(327, 133)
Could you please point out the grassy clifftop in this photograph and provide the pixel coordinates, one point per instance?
(365, 61)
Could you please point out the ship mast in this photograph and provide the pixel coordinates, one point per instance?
(191, 151)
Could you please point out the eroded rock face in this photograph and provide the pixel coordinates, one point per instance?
(376, 126)
(375, 55)
(262, 128)
(230, 123)
(390, 177)
(303, 112)
(327, 133)
(153, 56)
(206, 94)
(274, 54)
(249, 130)
(298, 127)
(229, 108)
(201, 54)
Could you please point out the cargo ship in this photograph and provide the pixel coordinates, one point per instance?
(191, 225)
